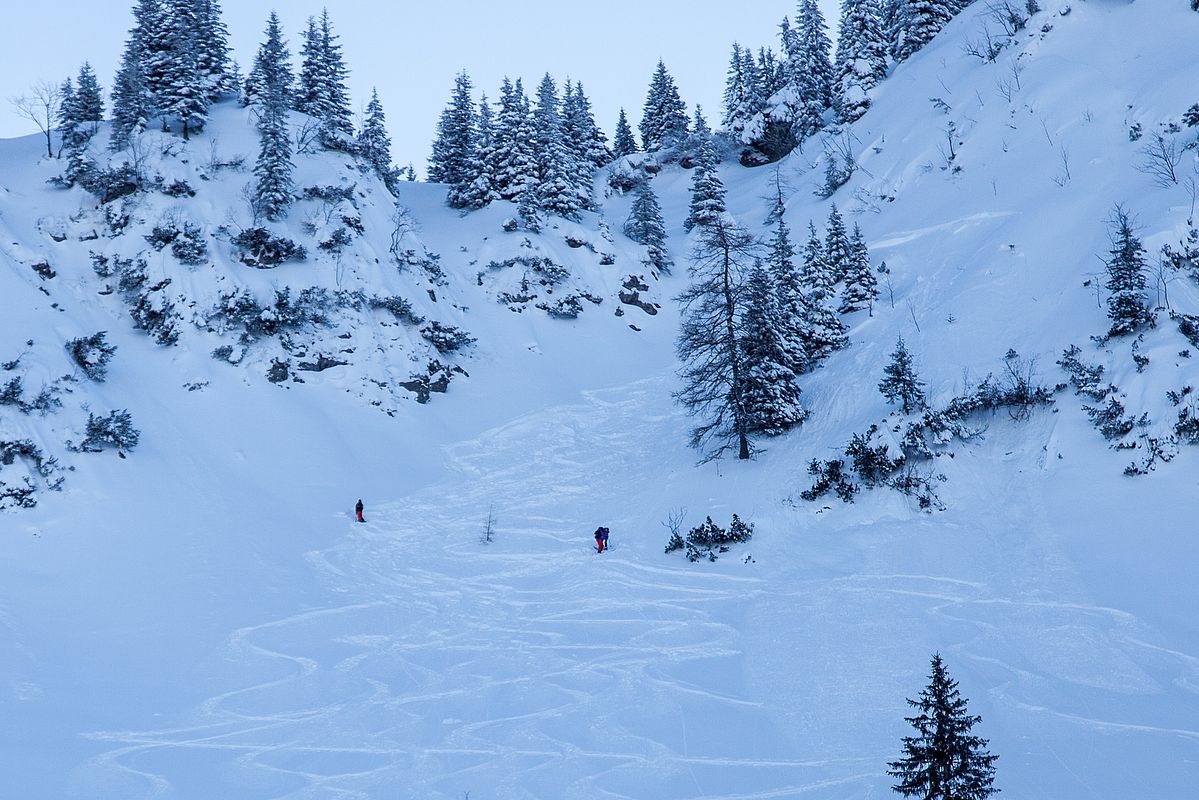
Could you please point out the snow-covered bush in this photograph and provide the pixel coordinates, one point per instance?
(258, 247)
(1110, 419)
(189, 246)
(446, 338)
(112, 183)
(705, 541)
(115, 430)
(92, 354)
(1087, 379)
(399, 307)
(340, 238)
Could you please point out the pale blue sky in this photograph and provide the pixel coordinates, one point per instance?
(412, 50)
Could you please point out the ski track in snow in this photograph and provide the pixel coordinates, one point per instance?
(530, 667)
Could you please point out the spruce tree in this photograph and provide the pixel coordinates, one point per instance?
(771, 395)
(374, 144)
(917, 22)
(646, 227)
(861, 284)
(477, 188)
(89, 98)
(182, 92)
(943, 760)
(132, 106)
(272, 65)
(336, 116)
(808, 69)
(837, 255)
(273, 190)
(825, 332)
(212, 47)
(861, 58)
(795, 332)
(707, 196)
(1127, 305)
(454, 147)
(582, 130)
(556, 191)
(664, 118)
(709, 343)
(310, 84)
(900, 383)
(513, 167)
(623, 144)
(734, 91)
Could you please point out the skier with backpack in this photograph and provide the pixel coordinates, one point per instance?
(601, 539)
(358, 510)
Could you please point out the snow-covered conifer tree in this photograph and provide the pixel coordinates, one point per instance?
(1127, 305)
(477, 188)
(646, 227)
(309, 85)
(900, 384)
(212, 50)
(374, 144)
(771, 395)
(581, 129)
(861, 58)
(861, 284)
(795, 333)
(183, 92)
(337, 116)
(557, 170)
(707, 190)
(809, 71)
(89, 98)
(513, 167)
(272, 64)
(623, 144)
(917, 22)
(273, 190)
(837, 255)
(825, 332)
(709, 343)
(664, 118)
(455, 145)
(132, 106)
(944, 760)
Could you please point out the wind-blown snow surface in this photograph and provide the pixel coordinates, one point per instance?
(205, 619)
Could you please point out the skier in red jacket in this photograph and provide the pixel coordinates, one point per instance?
(601, 539)
(358, 510)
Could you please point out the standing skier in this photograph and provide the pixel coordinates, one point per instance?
(358, 510)
(601, 539)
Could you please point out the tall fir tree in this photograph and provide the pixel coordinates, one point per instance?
(809, 70)
(477, 188)
(182, 92)
(707, 189)
(89, 98)
(455, 145)
(709, 343)
(943, 760)
(825, 331)
(664, 119)
(917, 22)
(795, 333)
(623, 144)
(337, 116)
(272, 65)
(374, 144)
(273, 189)
(310, 82)
(1127, 305)
(900, 383)
(861, 285)
(646, 227)
(771, 394)
(212, 51)
(861, 58)
(735, 90)
(581, 129)
(132, 106)
(557, 170)
(837, 254)
(513, 167)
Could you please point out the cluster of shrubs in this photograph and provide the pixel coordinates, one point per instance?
(446, 338)
(1187, 426)
(400, 308)
(1108, 415)
(151, 309)
(258, 247)
(240, 309)
(187, 243)
(543, 270)
(92, 354)
(25, 494)
(113, 430)
(892, 457)
(708, 540)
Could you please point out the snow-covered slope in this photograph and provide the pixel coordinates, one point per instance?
(203, 618)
